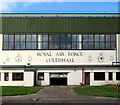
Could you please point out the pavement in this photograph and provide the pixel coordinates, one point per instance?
(57, 94)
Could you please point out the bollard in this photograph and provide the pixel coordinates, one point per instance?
(117, 86)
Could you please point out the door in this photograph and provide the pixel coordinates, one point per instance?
(58, 78)
(87, 78)
(58, 81)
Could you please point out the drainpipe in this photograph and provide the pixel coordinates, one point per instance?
(115, 56)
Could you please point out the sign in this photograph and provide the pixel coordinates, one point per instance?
(59, 56)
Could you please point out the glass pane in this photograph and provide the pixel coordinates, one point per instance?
(33, 38)
(96, 45)
(17, 76)
(85, 38)
(45, 45)
(73, 45)
(102, 45)
(16, 38)
(68, 45)
(45, 37)
(73, 37)
(23, 38)
(112, 45)
(28, 38)
(68, 38)
(90, 45)
(107, 37)
(5, 46)
(113, 38)
(11, 45)
(62, 38)
(96, 37)
(11, 38)
(79, 37)
(90, 38)
(39, 38)
(5, 38)
(6, 76)
(56, 45)
(85, 45)
(39, 45)
(56, 38)
(62, 45)
(28, 45)
(108, 45)
(79, 46)
(33, 45)
(51, 38)
(22, 45)
(102, 38)
(51, 46)
(17, 45)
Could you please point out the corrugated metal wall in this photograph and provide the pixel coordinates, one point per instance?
(60, 25)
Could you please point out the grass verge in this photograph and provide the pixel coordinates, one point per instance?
(103, 91)
(18, 90)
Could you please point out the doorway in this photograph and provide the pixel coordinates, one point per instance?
(58, 78)
(87, 78)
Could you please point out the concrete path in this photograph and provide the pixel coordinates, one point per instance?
(57, 94)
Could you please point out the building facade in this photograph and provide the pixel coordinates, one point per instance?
(59, 49)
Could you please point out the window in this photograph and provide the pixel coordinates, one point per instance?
(59, 42)
(110, 76)
(99, 76)
(6, 76)
(22, 41)
(40, 76)
(117, 75)
(17, 76)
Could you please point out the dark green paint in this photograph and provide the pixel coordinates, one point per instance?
(60, 25)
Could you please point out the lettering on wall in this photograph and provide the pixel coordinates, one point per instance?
(62, 56)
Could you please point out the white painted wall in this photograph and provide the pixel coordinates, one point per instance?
(10, 82)
(106, 70)
(75, 77)
(41, 60)
(29, 78)
(44, 82)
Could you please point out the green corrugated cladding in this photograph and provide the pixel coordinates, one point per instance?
(60, 25)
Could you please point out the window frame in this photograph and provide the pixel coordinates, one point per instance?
(96, 75)
(18, 73)
(117, 76)
(111, 43)
(41, 75)
(110, 78)
(5, 76)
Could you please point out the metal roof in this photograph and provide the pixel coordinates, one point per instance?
(60, 14)
(60, 23)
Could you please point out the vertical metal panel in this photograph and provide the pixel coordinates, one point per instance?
(59, 25)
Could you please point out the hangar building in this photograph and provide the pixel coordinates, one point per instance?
(59, 49)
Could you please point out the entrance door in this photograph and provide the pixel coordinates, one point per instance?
(87, 78)
(58, 79)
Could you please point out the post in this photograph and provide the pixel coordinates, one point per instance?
(83, 75)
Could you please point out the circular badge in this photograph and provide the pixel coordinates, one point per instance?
(101, 58)
(18, 59)
(29, 58)
(7, 59)
(111, 58)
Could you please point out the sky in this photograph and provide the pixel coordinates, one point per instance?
(61, 6)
